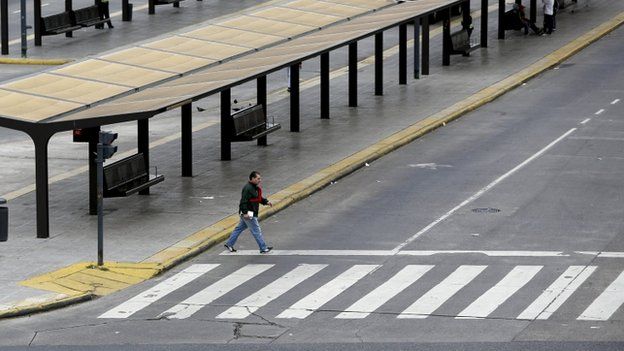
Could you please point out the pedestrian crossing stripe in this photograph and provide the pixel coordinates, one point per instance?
(499, 293)
(543, 307)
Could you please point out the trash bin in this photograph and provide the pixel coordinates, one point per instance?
(126, 12)
(4, 220)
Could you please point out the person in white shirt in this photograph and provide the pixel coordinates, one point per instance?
(549, 15)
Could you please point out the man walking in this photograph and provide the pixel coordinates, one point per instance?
(251, 198)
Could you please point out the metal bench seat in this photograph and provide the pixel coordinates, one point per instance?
(89, 16)
(460, 43)
(128, 176)
(251, 123)
(58, 24)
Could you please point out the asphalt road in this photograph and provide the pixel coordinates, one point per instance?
(483, 235)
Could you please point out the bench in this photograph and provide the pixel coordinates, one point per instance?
(128, 176)
(251, 123)
(89, 16)
(166, 2)
(460, 43)
(58, 24)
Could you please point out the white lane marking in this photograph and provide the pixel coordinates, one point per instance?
(306, 306)
(311, 253)
(152, 295)
(196, 302)
(439, 294)
(483, 190)
(252, 303)
(607, 303)
(586, 120)
(486, 253)
(615, 101)
(599, 111)
(499, 293)
(602, 254)
(376, 298)
(500, 253)
(557, 293)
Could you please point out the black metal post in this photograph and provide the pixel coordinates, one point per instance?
(353, 101)
(23, 33)
(151, 7)
(501, 16)
(379, 64)
(466, 17)
(4, 26)
(294, 98)
(446, 38)
(325, 85)
(519, 2)
(187, 140)
(226, 144)
(484, 23)
(261, 92)
(143, 146)
(403, 53)
(125, 10)
(42, 188)
(417, 48)
(37, 13)
(533, 13)
(93, 141)
(176, 4)
(68, 8)
(100, 199)
(425, 46)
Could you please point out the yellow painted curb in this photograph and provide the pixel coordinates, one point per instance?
(27, 61)
(83, 281)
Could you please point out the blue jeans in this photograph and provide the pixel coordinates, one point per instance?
(254, 228)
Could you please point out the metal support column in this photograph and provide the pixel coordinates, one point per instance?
(226, 106)
(446, 38)
(424, 68)
(143, 146)
(125, 11)
(403, 53)
(484, 23)
(294, 98)
(151, 7)
(379, 64)
(187, 140)
(37, 13)
(42, 188)
(533, 13)
(501, 16)
(93, 141)
(4, 27)
(325, 85)
(68, 8)
(261, 99)
(353, 101)
(417, 48)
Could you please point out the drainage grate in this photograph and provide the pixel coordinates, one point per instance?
(485, 210)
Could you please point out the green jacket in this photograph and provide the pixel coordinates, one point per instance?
(251, 198)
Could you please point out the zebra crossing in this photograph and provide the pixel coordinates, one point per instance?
(560, 287)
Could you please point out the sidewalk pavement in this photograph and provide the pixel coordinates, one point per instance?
(147, 234)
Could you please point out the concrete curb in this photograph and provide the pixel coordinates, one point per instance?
(83, 281)
(34, 62)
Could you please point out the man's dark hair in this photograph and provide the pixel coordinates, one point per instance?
(253, 175)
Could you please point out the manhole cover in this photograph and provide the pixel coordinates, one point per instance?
(485, 210)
